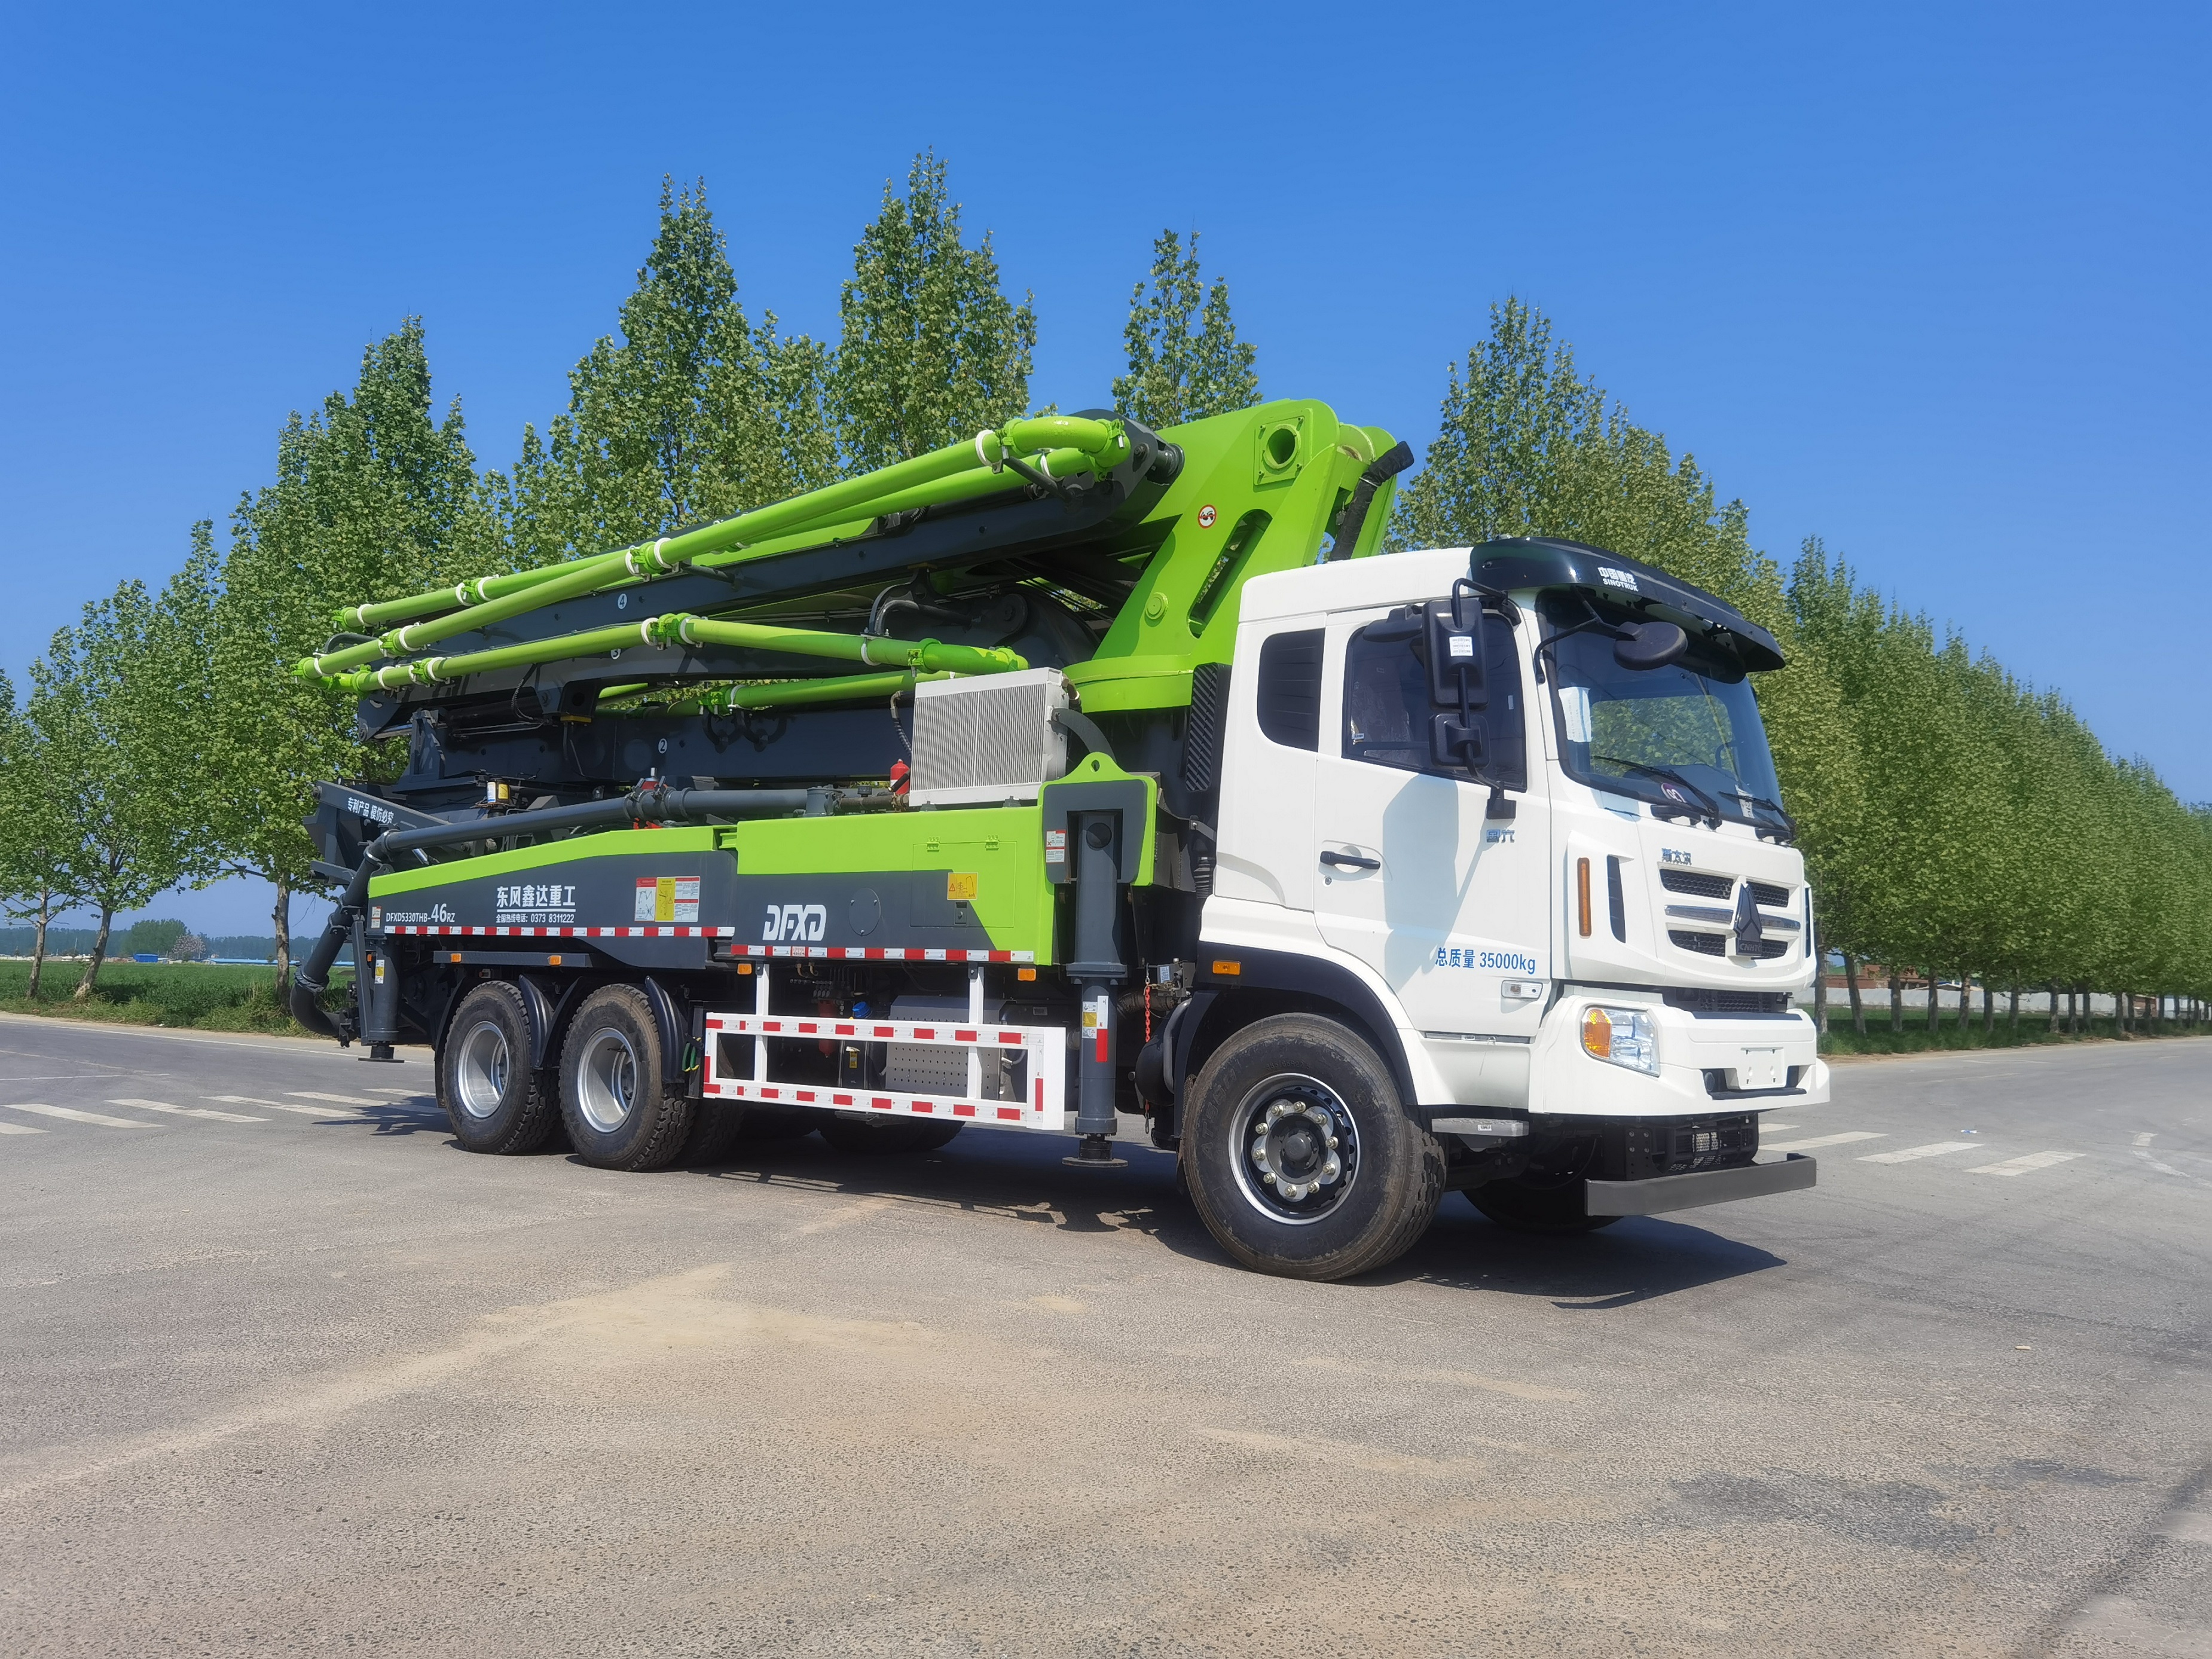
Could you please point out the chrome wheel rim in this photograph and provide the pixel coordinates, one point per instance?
(606, 1080)
(1295, 1149)
(481, 1066)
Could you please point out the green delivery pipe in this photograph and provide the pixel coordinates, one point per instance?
(926, 655)
(792, 693)
(1071, 443)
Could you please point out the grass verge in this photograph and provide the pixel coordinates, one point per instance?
(2033, 1031)
(192, 995)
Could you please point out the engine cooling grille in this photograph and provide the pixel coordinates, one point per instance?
(987, 738)
(1698, 883)
(1765, 893)
(1698, 999)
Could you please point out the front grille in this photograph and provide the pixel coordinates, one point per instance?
(1698, 1001)
(1704, 886)
(1716, 944)
(1774, 898)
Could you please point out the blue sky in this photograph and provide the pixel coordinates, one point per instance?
(1927, 281)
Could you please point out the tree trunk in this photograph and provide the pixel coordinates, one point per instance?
(2013, 1019)
(1934, 1004)
(39, 942)
(83, 991)
(1858, 1001)
(1988, 1008)
(1819, 990)
(1896, 1003)
(282, 917)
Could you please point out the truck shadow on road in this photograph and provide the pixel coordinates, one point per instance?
(1637, 1260)
(1634, 1260)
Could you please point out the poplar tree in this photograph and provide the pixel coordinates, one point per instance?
(1185, 360)
(121, 700)
(930, 351)
(373, 495)
(694, 414)
(35, 807)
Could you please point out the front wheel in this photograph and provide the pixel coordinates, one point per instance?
(1300, 1157)
(618, 1114)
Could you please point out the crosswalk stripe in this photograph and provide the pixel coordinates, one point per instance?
(2024, 1164)
(21, 1129)
(190, 1111)
(1820, 1140)
(1933, 1149)
(76, 1116)
(342, 1100)
(273, 1105)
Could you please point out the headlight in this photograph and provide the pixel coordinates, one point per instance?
(1621, 1036)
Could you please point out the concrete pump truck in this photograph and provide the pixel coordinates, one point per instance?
(1074, 771)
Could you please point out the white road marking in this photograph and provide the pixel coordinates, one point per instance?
(1772, 1128)
(2145, 1140)
(2134, 1627)
(21, 1129)
(273, 1105)
(2024, 1164)
(190, 1111)
(76, 1116)
(342, 1100)
(2190, 1526)
(408, 1094)
(1933, 1149)
(1822, 1140)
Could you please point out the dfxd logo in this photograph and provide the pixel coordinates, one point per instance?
(794, 922)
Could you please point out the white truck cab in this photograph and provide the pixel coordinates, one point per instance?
(1552, 860)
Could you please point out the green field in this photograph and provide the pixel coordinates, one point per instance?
(201, 995)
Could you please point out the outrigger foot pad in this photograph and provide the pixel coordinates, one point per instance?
(1096, 1153)
(380, 1052)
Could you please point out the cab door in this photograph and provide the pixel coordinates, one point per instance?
(1450, 907)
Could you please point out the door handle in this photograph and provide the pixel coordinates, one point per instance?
(1351, 861)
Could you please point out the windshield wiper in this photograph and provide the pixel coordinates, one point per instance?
(1713, 813)
(1789, 823)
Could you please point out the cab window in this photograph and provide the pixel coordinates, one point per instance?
(1387, 711)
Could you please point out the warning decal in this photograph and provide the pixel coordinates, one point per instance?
(668, 898)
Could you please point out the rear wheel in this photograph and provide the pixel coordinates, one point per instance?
(1300, 1157)
(495, 1102)
(715, 1126)
(878, 1137)
(618, 1114)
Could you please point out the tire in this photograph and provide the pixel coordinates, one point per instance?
(496, 1102)
(1301, 1158)
(714, 1131)
(618, 1114)
(1555, 1211)
(884, 1136)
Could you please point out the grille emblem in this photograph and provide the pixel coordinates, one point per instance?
(1750, 933)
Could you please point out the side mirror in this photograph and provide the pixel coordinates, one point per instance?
(1455, 740)
(1651, 645)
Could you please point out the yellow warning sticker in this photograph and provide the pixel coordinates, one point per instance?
(960, 886)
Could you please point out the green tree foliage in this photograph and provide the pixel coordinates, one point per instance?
(694, 414)
(122, 701)
(34, 831)
(1179, 372)
(930, 351)
(374, 494)
(150, 937)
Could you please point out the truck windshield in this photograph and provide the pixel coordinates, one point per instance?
(1688, 736)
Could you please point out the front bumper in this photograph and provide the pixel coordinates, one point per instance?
(1793, 1173)
(1703, 1061)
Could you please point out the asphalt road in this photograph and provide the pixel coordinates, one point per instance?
(283, 1370)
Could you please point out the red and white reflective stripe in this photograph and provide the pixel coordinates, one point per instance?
(1040, 1038)
(813, 952)
(1046, 1107)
